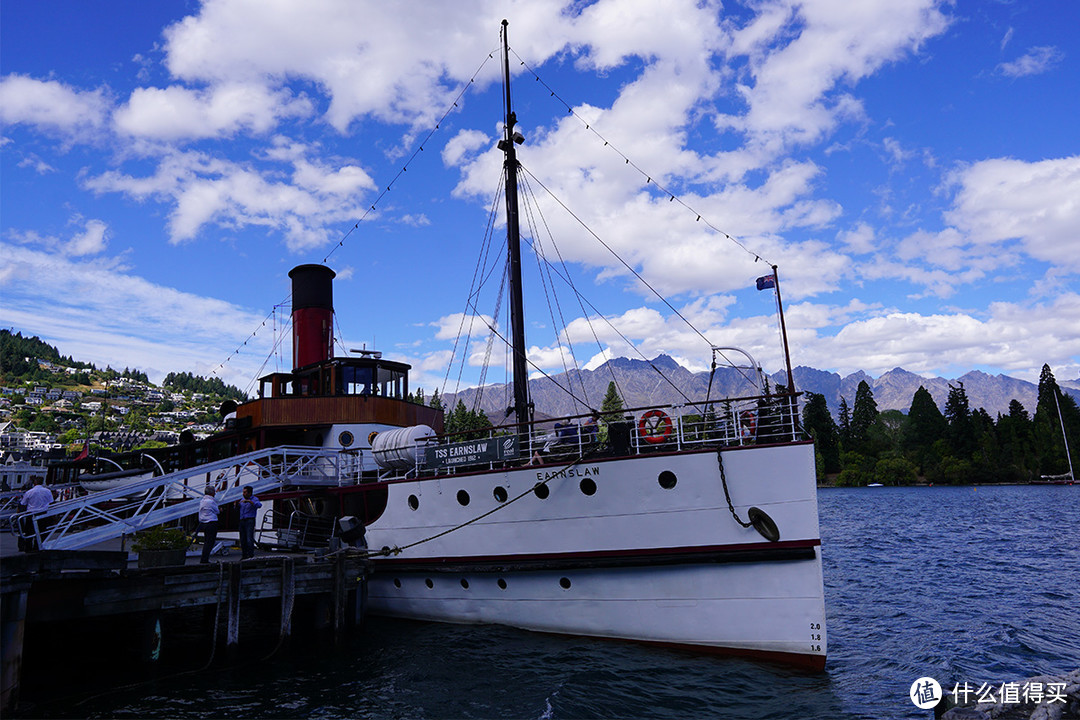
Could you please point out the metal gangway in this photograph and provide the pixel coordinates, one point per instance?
(82, 522)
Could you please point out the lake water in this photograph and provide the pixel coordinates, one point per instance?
(962, 584)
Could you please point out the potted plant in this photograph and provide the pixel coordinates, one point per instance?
(161, 546)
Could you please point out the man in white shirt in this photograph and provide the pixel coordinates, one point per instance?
(208, 522)
(38, 497)
(34, 500)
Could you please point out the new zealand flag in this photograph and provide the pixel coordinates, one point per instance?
(766, 281)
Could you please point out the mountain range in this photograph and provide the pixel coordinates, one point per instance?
(663, 381)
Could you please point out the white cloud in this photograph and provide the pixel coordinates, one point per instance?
(39, 166)
(1034, 202)
(178, 113)
(1035, 61)
(859, 240)
(464, 142)
(51, 105)
(1004, 336)
(93, 311)
(208, 191)
(451, 326)
(799, 52)
(358, 53)
(89, 242)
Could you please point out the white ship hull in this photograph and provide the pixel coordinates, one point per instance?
(612, 553)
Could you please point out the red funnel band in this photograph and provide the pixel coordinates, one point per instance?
(313, 335)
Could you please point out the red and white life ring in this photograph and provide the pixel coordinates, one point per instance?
(749, 423)
(655, 427)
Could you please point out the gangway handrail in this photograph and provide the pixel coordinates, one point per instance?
(108, 514)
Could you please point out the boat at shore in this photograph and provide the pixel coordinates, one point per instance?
(692, 525)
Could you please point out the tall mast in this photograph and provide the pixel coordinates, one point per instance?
(783, 332)
(793, 408)
(1063, 435)
(513, 238)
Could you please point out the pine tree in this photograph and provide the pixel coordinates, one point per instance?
(844, 424)
(611, 409)
(924, 427)
(1047, 426)
(961, 429)
(819, 423)
(436, 401)
(863, 415)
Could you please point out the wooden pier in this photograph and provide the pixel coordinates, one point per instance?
(83, 586)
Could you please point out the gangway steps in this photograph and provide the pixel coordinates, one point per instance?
(82, 522)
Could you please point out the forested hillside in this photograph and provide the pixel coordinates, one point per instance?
(959, 445)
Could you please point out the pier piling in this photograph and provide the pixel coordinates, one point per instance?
(81, 587)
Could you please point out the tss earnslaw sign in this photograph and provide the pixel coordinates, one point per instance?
(472, 452)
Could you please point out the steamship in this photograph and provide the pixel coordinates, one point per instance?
(692, 526)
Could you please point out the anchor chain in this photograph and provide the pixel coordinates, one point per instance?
(723, 479)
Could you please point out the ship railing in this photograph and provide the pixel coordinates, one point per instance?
(294, 530)
(9, 505)
(91, 519)
(730, 422)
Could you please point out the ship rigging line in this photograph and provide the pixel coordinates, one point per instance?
(419, 149)
(371, 208)
(607, 247)
(531, 202)
(636, 274)
(269, 315)
(506, 341)
(398, 549)
(550, 294)
(479, 279)
(648, 178)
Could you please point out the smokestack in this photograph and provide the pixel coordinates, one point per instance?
(312, 314)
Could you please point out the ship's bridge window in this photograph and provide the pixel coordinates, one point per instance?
(356, 380)
(391, 383)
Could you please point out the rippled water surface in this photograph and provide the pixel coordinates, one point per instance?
(960, 584)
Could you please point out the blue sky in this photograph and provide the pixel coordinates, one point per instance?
(912, 167)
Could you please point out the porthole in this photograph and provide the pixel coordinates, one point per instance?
(397, 582)
(429, 583)
(464, 583)
(462, 497)
(541, 491)
(565, 583)
(500, 493)
(414, 502)
(371, 437)
(502, 584)
(345, 438)
(588, 486)
(667, 479)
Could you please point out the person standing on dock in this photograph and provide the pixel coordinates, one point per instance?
(33, 500)
(208, 522)
(248, 505)
(38, 497)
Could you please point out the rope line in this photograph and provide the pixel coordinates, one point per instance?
(616, 255)
(672, 197)
(398, 549)
(415, 153)
(269, 315)
(565, 276)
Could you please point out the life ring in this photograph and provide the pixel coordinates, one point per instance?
(654, 427)
(749, 423)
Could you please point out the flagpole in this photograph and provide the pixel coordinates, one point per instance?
(783, 331)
